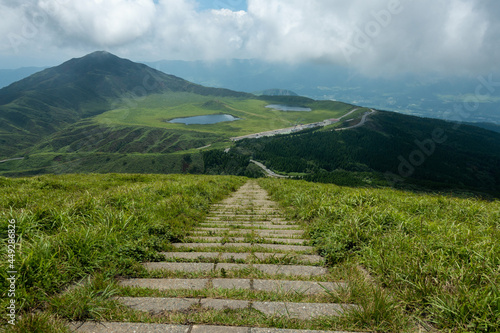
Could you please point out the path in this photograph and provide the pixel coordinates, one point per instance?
(299, 128)
(361, 123)
(270, 173)
(244, 248)
(12, 159)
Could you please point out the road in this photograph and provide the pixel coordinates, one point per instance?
(303, 127)
(361, 123)
(12, 159)
(269, 172)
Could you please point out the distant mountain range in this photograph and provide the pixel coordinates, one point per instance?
(102, 113)
(426, 96)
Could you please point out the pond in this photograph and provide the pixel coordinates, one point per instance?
(204, 120)
(280, 107)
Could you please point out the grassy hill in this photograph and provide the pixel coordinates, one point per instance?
(101, 113)
(50, 100)
(432, 259)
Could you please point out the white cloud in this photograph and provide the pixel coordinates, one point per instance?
(379, 37)
(102, 22)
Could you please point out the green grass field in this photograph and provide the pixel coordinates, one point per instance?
(155, 110)
(437, 256)
(433, 259)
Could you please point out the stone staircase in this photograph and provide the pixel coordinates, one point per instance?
(244, 245)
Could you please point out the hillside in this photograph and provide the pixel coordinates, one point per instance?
(390, 150)
(119, 247)
(52, 99)
(101, 113)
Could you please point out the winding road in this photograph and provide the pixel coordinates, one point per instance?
(269, 172)
(361, 123)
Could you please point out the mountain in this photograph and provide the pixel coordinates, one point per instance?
(389, 150)
(425, 95)
(275, 92)
(55, 98)
(101, 113)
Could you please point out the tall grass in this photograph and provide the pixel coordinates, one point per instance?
(74, 226)
(438, 255)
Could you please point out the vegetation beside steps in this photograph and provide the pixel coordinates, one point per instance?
(95, 249)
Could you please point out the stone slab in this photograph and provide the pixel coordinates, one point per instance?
(304, 311)
(295, 270)
(280, 330)
(208, 239)
(195, 245)
(294, 248)
(232, 284)
(110, 327)
(179, 266)
(222, 304)
(219, 329)
(235, 256)
(190, 255)
(293, 241)
(156, 304)
(310, 258)
(300, 287)
(166, 284)
(229, 267)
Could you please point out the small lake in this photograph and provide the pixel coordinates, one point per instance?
(204, 120)
(280, 107)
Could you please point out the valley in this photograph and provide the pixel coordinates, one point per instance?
(101, 113)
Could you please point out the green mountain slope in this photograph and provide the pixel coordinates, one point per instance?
(401, 150)
(50, 100)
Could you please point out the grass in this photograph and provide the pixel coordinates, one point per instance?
(74, 226)
(432, 258)
(437, 255)
(154, 110)
(57, 163)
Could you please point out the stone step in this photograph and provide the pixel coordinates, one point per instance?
(260, 226)
(245, 222)
(248, 257)
(289, 270)
(303, 311)
(248, 205)
(209, 239)
(247, 233)
(107, 327)
(252, 247)
(279, 286)
(260, 231)
(254, 216)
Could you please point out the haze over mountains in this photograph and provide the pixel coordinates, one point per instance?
(102, 113)
(430, 96)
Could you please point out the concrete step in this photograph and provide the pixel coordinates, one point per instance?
(262, 240)
(259, 231)
(288, 270)
(279, 286)
(303, 311)
(248, 257)
(296, 234)
(107, 327)
(252, 247)
(254, 225)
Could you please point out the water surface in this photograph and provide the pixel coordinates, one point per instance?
(204, 120)
(285, 108)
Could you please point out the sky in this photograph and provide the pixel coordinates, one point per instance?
(379, 38)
